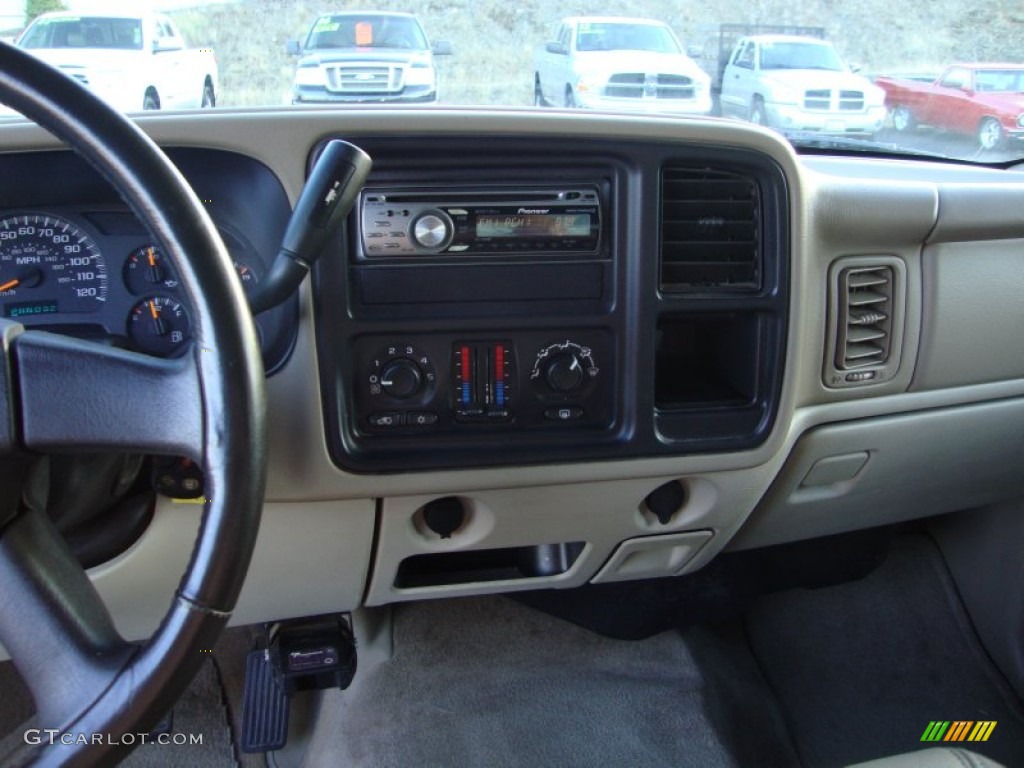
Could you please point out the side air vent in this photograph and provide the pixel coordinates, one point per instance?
(710, 231)
(865, 317)
(867, 320)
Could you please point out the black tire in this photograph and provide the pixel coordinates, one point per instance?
(757, 114)
(538, 94)
(209, 97)
(570, 98)
(150, 100)
(991, 135)
(903, 119)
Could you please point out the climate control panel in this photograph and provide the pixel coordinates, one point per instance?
(463, 384)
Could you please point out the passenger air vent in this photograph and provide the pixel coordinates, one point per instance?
(710, 227)
(867, 304)
(866, 317)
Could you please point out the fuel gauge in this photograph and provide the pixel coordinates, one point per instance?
(159, 325)
(147, 270)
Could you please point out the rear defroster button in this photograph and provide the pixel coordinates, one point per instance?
(564, 413)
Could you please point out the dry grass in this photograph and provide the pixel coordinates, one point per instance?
(494, 40)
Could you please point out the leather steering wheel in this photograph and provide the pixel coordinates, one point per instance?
(62, 394)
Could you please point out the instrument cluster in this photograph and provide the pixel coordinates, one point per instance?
(99, 274)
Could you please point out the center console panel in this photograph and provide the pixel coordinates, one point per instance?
(477, 312)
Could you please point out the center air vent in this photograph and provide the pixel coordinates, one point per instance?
(710, 231)
(867, 314)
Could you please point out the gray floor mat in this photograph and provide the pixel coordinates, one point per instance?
(200, 713)
(862, 668)
(489, 682)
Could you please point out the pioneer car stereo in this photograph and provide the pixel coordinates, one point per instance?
(474, 222)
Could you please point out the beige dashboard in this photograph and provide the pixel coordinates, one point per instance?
(940, 431)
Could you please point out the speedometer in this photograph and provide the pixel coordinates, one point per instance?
(47, 266)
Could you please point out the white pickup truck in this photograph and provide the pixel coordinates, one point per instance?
(133, 61)
(796, 84)
(637, 65)
(370, 56)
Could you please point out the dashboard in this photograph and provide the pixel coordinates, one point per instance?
(584, 348)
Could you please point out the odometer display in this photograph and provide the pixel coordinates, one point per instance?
(46, 262)
(29, 308)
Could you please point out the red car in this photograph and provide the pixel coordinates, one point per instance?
(982, 100)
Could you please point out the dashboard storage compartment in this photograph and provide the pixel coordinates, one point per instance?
(706, 359)
(716, 376)
(437, 569)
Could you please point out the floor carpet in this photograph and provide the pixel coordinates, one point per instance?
(862, 668)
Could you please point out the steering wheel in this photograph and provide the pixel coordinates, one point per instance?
(62, 394)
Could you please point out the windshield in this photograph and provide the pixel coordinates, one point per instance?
(84, 32)
(626, 37)
(829, 77)
(365, 31)
(799, 56)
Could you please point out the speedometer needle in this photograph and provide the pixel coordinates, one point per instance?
(9, 284)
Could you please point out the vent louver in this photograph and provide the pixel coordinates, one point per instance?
(865, 320)
(710, 230)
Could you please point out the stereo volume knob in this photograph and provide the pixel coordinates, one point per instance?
(432, 231)
(401, 378)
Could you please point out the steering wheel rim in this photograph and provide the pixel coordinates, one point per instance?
(85, 678)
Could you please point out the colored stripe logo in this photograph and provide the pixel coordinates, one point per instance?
(959, 730)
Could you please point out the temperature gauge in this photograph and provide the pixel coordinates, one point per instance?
(159, 325)
(147, 270)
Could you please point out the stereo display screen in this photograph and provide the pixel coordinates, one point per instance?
(533, 225)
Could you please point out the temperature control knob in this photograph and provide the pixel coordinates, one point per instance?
(565, 368)
(432, 231)
(401, 378)
(564, 372)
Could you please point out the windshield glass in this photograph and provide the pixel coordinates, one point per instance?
(626, 37)
(365, 31)
(85, 32)
(799, 56)
(849, 77)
